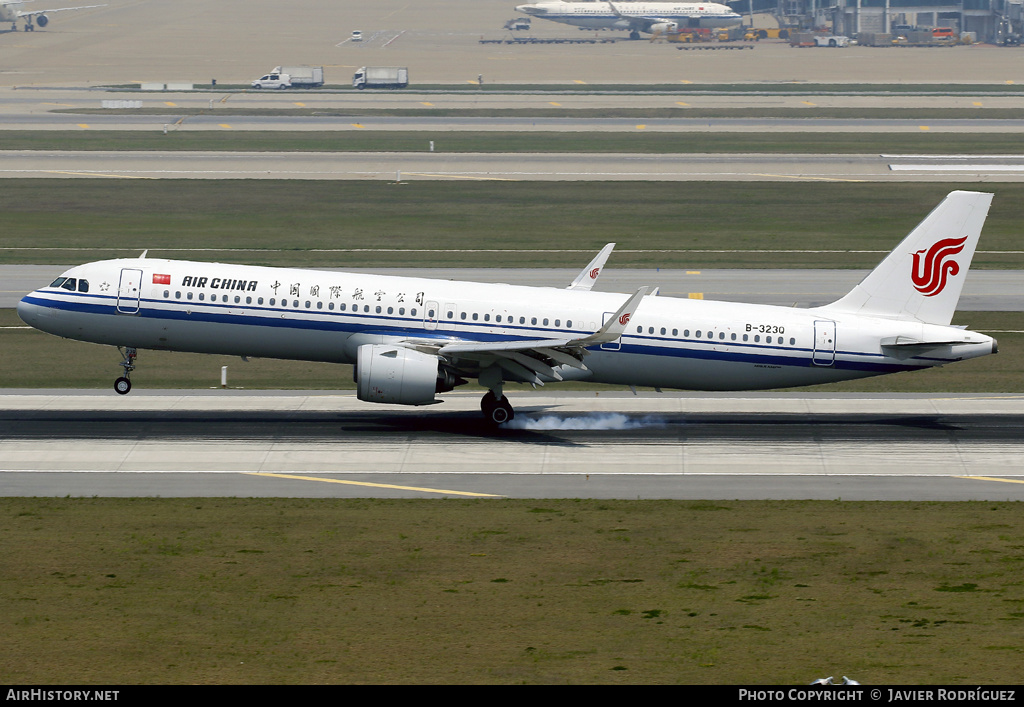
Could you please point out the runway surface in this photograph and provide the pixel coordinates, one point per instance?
(224, 443)
(406, 166)
(984, 290)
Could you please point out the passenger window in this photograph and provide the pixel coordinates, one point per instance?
(475, 316)
(568, 324)
(190, 295)
(412, 312)
(721, 335)
(663, 331)
(319, 305)
(698, 333)
(533, 320)
(239, 299)
(167, 294)
(343, 307)
(378, 308)
(259, 300)
(545, 321)
(558, 322)
(522, 320)
(792, 342)
(487, 317)
(177, 295)
(401, 311)
(202, 296)
(391, 310)
(675, 332)
(462, 316)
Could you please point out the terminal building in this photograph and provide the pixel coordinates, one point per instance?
(995, 21)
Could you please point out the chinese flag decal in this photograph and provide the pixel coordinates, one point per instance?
(161, 279)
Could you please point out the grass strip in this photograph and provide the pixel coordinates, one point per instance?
(287, 591)
(356, 140)
(460, 223)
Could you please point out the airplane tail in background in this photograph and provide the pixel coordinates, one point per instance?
(922, 278)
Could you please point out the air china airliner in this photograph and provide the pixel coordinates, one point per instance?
(636, 17)
(412, 339)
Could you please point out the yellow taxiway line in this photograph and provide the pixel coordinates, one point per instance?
(367, 483)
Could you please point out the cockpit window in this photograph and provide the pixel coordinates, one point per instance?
(83, 285)
(69, 284)
(58, 282)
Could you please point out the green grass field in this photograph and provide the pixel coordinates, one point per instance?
(924, 142)
(487, 224)
(278, 591)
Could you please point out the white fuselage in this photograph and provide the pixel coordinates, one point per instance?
(633, 15)
(319, 315)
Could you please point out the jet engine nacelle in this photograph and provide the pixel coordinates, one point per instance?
(394, 374)
(664, 27)
(42, 20)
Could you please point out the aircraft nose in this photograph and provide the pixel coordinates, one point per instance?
(26, 310)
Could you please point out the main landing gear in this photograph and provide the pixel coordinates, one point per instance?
(122, 385)
(496, 410)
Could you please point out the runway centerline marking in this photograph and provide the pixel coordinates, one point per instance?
(367, 483)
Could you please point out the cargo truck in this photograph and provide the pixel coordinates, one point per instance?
(381, 77)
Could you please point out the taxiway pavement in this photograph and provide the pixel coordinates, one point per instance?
(406, 166)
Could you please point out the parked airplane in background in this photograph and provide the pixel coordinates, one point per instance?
(636, 17)
(413, 338)
(10, 13)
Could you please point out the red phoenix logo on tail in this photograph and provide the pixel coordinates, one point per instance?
(624, 319)
(594, 273)
(932, 269)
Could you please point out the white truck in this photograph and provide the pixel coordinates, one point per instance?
(291, 77)
(381, 77)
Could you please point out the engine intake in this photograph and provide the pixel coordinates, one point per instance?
(394, 374)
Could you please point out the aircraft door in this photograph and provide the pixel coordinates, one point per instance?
(431, 314)
(611, 345)
(824, 343)
(129, 291)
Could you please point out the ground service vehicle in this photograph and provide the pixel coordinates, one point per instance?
(381, 77)
(273, 80)
(302, 76)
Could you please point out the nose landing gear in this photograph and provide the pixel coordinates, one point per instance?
(123, 385)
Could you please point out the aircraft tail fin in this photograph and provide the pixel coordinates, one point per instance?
(922, 278)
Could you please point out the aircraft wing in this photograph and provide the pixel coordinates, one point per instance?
(527, 359)
(639, 22)
(32, 13)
